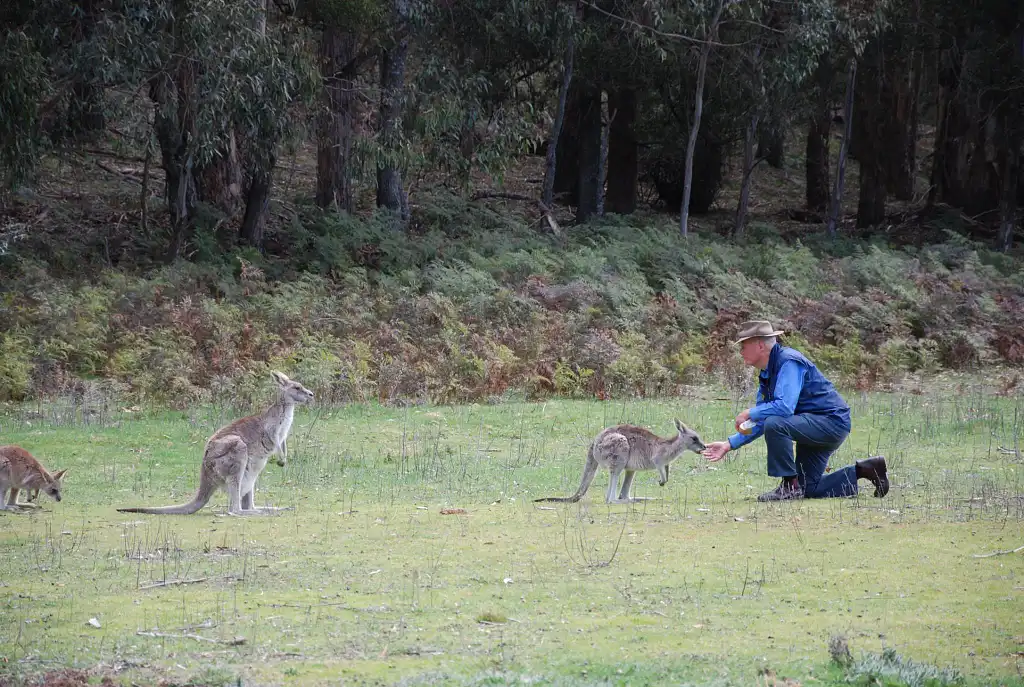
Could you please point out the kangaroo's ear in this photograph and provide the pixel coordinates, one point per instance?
(279, 377)
(680, 426)
(58, 476)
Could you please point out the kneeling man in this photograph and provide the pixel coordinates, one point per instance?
(796, 403)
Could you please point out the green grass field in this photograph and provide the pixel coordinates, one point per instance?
(367, 582)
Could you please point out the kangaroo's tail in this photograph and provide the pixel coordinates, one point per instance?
(589, 470)
(202, 497)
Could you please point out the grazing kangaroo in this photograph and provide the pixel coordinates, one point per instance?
(236, 454)
(627, 448)
(20, 470)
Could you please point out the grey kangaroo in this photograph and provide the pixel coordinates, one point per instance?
(627, 448)
(236, 454)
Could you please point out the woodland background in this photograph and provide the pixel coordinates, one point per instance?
(457, 200)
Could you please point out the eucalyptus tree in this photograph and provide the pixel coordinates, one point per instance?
(483, 76)
(780, 46)
(394, 53)
(979, 132)
(349, 34)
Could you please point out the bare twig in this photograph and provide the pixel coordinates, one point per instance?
(169, 583)
(107, 168)
(657, 32)
(545, 210)
(999, 553)
(237, 641)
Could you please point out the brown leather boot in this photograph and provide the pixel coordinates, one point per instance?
(789, 489)
(874, 469)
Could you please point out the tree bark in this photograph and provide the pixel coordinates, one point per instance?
(748, 170)
(951, 130)
(390, 193)
(905, 79)
(698, 111)
(262, 159)
(771, 144)
(1010, 172)
(257, 202)
(623, 152)
(567, 164)
(602, 166)
(86, 111)
(551, 160)
(590, 153)
(873, 125)
(335, 136)
(837, 191)
(220, 180)
(173, 95)
(819, 129)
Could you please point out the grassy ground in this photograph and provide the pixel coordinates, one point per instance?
(367, 582)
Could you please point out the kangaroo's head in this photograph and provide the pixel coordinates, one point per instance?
(291, 391)
(53, 484)
(691, 440)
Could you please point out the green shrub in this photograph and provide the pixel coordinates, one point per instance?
(15, 367)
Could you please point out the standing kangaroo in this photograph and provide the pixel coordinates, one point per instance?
(20, 470)
(236, 454)
(627, 448)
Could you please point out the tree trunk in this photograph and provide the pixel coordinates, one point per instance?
(220, 181)
(1010, 172)
(837, 190)
(590, 153)
(551, 161)
(335, 136)
(771, 144)
(86, 111)
(567, 164)
(392, 85)
(623, 153)
(698, 111)
(905, 79)
(173, 94)
(873, 125)
(819, 129)
(951, 130)
(261, 160)
(602, 165)
(748, 170)
(257, 201)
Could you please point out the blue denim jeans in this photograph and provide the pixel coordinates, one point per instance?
(816, 437)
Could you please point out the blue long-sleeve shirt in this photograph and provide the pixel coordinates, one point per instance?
(787, 393)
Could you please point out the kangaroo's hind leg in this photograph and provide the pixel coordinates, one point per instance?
(231, 459)
(249, 497)
(627, 484)
(4, 505)
(613, 484)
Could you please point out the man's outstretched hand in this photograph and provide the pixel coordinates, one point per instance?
(716, 450)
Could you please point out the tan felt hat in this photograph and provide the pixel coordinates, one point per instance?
(757, 328)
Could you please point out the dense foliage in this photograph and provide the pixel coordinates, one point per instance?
(380, 275)
(477, 306)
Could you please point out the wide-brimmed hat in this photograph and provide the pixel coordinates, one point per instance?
(756, 328)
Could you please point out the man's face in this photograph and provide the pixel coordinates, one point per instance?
(754, 352)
